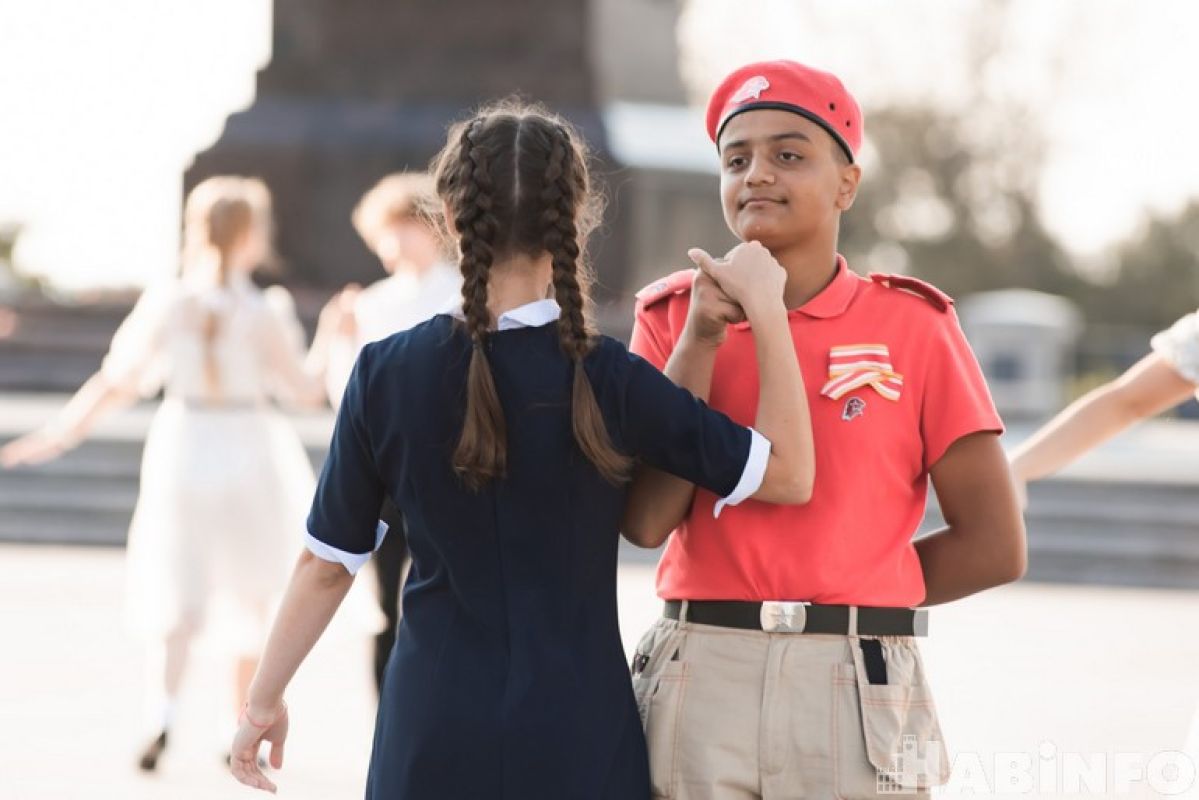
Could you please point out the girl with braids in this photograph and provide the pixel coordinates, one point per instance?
(505, 432)
(224, 478)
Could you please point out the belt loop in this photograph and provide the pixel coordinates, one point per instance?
(683, 605)
(853, 621)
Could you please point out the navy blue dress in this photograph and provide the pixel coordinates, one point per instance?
(508, 677)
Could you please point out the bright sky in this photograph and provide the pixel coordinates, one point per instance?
(102, 107)
(1112, 76)
(103, 104)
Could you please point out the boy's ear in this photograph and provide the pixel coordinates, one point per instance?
(847, 190)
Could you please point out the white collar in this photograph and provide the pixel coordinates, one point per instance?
(530, 315)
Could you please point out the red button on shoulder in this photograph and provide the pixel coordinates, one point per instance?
(905, 283)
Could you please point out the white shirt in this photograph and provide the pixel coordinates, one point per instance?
(389, 306)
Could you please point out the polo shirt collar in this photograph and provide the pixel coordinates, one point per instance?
(530, 315)
(833, 299)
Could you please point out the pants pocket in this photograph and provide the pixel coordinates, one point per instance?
(887, 739)
(656, 647)
(663, 723)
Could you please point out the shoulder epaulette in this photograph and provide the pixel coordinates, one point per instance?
(906, 283)
(675, 283)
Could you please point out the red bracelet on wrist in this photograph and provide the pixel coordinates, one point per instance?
(245, 716)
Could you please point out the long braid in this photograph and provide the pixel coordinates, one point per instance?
(481, 454)
(565, 182)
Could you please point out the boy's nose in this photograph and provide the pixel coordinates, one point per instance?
(759, 173)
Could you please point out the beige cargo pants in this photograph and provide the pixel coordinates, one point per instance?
(740, 715)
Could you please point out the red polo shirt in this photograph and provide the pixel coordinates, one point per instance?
(891, 383)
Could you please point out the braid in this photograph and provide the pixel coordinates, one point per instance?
(481, 454)
(561, 242)
(560, 200)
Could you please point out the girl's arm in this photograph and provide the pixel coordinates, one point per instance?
(751, 278)
(132, 354)
(658, 501)
(1149, 387)
(94, 400)
(983, 542)
(316, 590)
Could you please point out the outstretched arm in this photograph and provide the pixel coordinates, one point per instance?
(316, 590)
(1149, 387)
(95, 399)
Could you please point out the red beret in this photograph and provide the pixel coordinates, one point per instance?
(789, 86)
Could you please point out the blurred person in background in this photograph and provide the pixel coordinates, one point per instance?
(225, 479)
(398, 221)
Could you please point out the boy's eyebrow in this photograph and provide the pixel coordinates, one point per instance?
(775, 138)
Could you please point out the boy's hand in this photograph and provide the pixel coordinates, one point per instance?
(711, 312)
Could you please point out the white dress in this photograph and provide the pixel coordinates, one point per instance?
(225, 480)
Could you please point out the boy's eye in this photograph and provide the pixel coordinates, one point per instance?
(787, 155)
(733, 162)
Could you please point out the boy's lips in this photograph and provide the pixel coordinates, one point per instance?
(760, 202)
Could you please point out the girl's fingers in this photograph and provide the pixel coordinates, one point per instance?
(731, 312)
(277, 754)
(703, 260)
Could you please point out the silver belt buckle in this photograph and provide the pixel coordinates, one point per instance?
(784, 617)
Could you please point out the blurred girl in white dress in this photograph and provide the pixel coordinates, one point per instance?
(225, 481)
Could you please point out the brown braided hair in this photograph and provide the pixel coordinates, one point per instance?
(514, 178)
(218, 213)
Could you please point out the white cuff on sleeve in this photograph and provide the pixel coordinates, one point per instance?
(351, 561)
(751, 476)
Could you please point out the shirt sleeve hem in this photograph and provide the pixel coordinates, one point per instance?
(751, 476)
(1167, 346)
(941, 448)
(327, 552)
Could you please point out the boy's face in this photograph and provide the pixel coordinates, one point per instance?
(406, 243)
(783, 180)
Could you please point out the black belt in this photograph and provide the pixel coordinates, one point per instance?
(785, 617)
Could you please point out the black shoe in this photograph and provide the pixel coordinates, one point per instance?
(148, 762)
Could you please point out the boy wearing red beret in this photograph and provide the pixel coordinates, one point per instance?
(785, 664)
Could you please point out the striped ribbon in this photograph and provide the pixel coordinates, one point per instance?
(853, 366)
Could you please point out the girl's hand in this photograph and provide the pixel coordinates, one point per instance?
(749, 275)
(711, 312)
(33, 448)
(252, 730)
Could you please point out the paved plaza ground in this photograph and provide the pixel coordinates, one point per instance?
(1021, 672)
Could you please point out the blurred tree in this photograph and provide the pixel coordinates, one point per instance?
(950, 192)
(1156, 280)
(957, 210)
